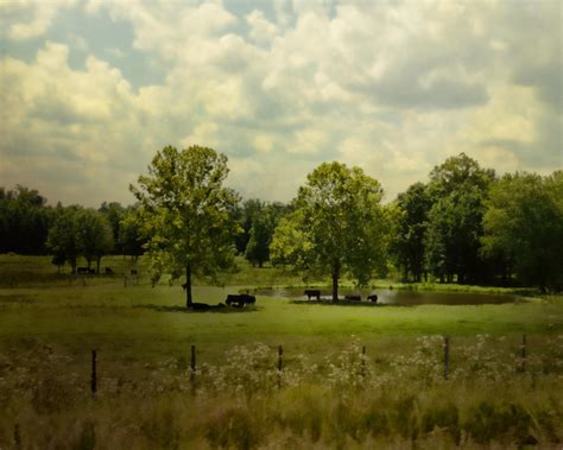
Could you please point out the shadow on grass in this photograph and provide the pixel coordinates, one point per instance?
(212, 309)
(347, 303)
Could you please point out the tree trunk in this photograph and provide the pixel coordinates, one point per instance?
(98, 261)
(335, 277)
(189, 301)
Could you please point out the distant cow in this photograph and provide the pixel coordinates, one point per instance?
(355, 298)
(82, 270)
(313, 293)
(372, 298)
(134, 272)
(241, 300)
(108, 271)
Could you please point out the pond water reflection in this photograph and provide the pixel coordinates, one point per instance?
(399, 297)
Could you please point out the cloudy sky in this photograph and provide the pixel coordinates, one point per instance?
(89, 90)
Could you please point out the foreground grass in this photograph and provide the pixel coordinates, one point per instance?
(349, 401)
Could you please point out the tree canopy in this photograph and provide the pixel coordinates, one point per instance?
(524, 222)
(186, 212)
(458, 189)
(337, 226)
(78, 231)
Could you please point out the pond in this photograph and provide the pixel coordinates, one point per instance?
(398, 297)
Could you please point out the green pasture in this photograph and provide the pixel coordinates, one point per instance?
(129, 319)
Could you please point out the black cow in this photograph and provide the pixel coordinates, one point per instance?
(355, 298)
(82, 270)
(372, 298)
(108, 271)
(313, 293)
(241, 300)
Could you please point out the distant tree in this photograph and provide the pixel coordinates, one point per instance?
(24, 221)
(264, 223)
(95, 237)
(407, 242)
(59, 260)
(245, 215)
(131, 238)
(524, 222)
(114, 212)
(186, 212)
(458, 189)
(63, 240)
(337, 226)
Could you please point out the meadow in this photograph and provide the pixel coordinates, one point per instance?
(329, 393)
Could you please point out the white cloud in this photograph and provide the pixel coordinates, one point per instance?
(393, 87)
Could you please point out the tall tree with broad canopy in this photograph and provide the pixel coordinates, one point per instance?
(458, 189)
(524, 222)
(337, 226)
(186, 212)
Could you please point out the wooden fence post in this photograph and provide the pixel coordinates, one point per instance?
(280, 366)
(446, 356)
(523, 354)
(17, 437)
(192, 368)
(363, 361)
(94, 377)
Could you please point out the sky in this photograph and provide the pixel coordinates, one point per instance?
(90, 90)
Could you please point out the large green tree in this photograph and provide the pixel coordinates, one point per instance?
(524, 222)
(186, 212)
(337, 226)
(458, 189)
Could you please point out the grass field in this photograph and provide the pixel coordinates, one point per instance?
(49, 323)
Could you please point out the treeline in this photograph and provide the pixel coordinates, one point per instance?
(465, 225)
(29, 226)
(468, 225)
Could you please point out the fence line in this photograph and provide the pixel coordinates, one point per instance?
(521, 366)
